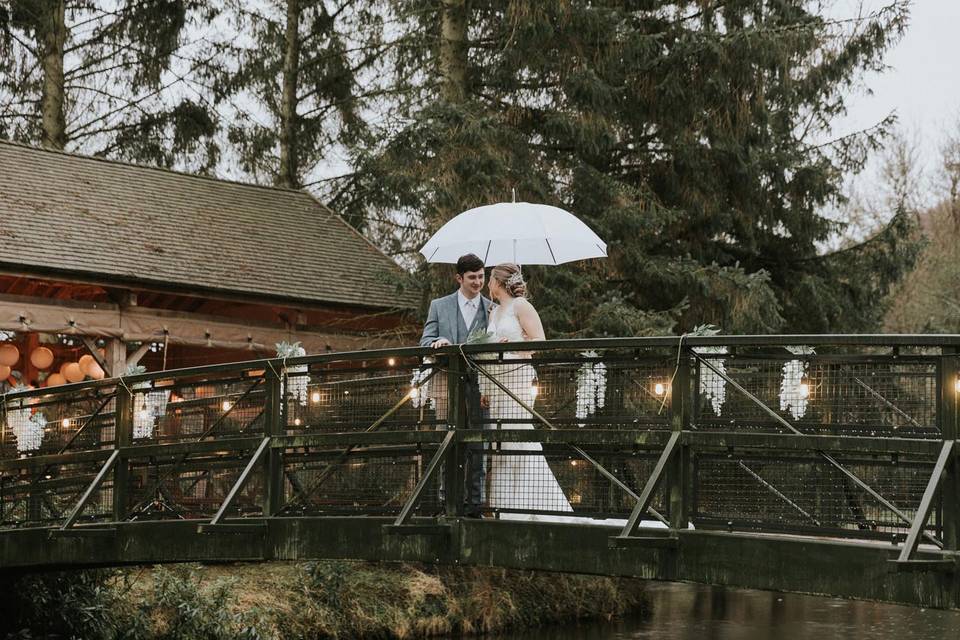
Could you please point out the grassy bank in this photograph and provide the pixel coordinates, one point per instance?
(287, 601)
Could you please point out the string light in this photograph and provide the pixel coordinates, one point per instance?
(66, 423)
(392, 361)
(659, 389)
(956, 385)
(414, 392)
(315, 397)
(296, 422)
(227, 405)
(804, 390)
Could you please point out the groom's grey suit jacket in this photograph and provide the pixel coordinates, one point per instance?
(444, 320)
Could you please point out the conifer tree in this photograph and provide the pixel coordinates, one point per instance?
(106, 78)
(694, 136)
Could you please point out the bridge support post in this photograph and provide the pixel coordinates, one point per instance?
(273, 425)
(948, 414)
(453, 471)
(679, 472)
(123, 430)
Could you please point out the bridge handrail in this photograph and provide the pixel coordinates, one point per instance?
(674, 342)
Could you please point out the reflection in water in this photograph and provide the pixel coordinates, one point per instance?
(696, 612)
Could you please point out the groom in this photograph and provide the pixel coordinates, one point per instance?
(451, 320)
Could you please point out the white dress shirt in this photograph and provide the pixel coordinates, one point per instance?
(468, 308)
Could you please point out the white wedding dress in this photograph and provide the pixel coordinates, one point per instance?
(518, 481)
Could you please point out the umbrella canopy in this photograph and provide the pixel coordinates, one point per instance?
(518, 232)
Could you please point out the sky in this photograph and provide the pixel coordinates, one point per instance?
(923, 84)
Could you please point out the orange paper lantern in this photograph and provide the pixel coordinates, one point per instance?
(4, 372)
(95, 371)
(55, 379)
(41, 358)
(85, 362)
(72, 372)
(9, 354)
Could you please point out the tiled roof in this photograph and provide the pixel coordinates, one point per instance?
(66, 213)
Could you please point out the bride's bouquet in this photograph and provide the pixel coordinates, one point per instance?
(482, 336)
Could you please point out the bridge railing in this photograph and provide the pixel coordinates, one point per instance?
(838, 436)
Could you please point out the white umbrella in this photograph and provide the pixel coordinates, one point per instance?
(518, 232)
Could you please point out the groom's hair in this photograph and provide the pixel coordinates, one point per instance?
(467, 263)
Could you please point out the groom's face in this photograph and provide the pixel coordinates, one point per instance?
(471, 282)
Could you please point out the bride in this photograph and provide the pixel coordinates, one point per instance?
(517, 480)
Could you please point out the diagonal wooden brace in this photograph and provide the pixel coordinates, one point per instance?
(432, 469)
(88, 494)
(643, 503)
(242, 480)
(926, 502)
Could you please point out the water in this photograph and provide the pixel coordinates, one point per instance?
(695, 612)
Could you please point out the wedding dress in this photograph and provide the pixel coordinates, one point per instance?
(518, 480)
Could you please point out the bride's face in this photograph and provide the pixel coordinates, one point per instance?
(495, 289)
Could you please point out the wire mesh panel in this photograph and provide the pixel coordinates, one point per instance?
(190, 487)
(807, 493)
(531, 481)
(867, 397)
(393, 394)
(374, 480)
(193, 410)
(608, 390)
(59, 421)
(44, 495)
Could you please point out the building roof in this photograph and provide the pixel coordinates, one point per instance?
(67, 214)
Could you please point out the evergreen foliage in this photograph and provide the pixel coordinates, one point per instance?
(107, 78)
(692, 136)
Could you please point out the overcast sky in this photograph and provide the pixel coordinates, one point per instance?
(923, 85)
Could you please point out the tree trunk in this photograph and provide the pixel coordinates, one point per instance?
(288, 110)
(453, 50)
(52, 37)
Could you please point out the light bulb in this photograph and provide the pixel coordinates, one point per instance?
(659, 389)
(392, 361)
(226, 405)
(414, 392)
(66, 423)
(804, 390)
(315, 396)
(296, 422)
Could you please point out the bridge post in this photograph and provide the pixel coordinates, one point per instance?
(679, 480)
(123, 437)
(948, 416)
(274, 424)
(453, 471)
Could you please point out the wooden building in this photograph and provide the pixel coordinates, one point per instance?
(138, 264)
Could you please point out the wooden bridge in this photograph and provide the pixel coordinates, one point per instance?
(818, 464)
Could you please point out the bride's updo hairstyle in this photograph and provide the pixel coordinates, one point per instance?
(510, 278)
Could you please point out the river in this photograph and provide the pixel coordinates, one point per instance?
(695, 612)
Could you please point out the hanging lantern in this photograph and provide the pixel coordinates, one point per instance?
(9, 354)
(85, 362)
(4, 372)
(96, 372)
(41, 358)
(55, 380)
(72, 372)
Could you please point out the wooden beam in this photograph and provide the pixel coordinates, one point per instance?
(135, 357)
(95, 352)
(923, 511)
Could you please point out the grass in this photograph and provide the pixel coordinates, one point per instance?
(287, 601)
